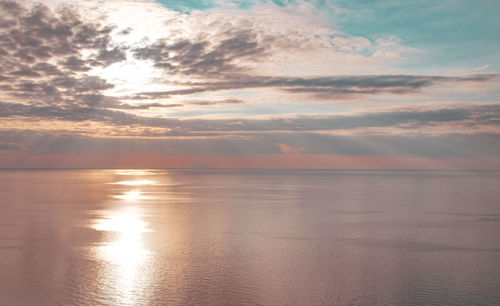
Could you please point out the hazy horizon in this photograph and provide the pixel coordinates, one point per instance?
(268, 169)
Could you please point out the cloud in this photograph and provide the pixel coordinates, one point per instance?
(10, 147)
(211, 83)
(296, 40)
(460, 116)
(344, 87)
(45, 54)
(202, 57)
(480, 145)
(54, 57)
(108, 57)
(416, 145)
(51, 64)
(102, 101)
(216, 102)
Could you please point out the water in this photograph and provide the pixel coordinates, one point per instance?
(263, 237)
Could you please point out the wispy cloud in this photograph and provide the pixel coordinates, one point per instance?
(323, 88)
(480, 145)
(469, 116)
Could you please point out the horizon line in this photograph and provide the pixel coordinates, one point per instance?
(285, 169)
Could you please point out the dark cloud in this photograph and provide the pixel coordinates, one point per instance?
(467, 116)
(43, 54)
(75, 64)
(10, 147)
(480, 145)
(221, 64)
(108, 57)
(164, 94)
(418, 145)
(323, 88)
(203, 57)
(217, 102)
(101, 101)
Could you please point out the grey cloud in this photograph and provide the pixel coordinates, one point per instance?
(58, 90)
(29, 141)
(461, 115)
(202, 57)
(108, 57)
(11, 8)
(432, 146)
(481, 145)
(216, 102)
(43, 54)
(325, 87)
(125, 31)
(74, 63)
(47, 69)
(66, 113)
(101, 101)
(10, 147)
(42, 64)
(84, 84)
(164, 94)
(25, 72)
(220, 62)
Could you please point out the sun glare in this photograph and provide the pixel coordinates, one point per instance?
(128, 249)
(125, 251)
(131, 195)
(133, 172)
(136, 183)
(123, 246)
(129, 76)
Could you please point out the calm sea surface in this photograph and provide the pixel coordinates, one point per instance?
(234, 237)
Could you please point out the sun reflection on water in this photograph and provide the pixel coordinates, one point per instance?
(135, 183)
(128, 249)
(132, 195)
(126, 254)
(133, 172)
(123, 251)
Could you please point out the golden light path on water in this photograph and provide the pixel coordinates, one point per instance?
(131, 195)
(133, 172)
(125, 249)
(128, 249)
(136, 183)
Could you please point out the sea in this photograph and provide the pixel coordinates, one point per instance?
(249, 237)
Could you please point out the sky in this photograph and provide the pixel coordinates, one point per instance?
(339, 84)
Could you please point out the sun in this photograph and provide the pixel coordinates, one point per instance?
(129, 77)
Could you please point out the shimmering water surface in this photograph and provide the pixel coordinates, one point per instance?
(264, 237)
